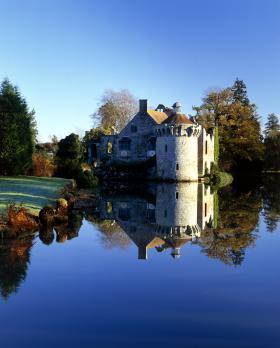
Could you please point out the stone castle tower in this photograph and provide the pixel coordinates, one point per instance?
(177, 147)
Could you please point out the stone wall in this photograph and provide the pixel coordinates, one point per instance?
(205, 206)
(205, 152)
(177, 158)
(176, 204)
(145, 129)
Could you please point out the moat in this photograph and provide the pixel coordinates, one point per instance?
(171, 265)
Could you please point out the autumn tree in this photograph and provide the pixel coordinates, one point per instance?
(115, 110)
(240, 139)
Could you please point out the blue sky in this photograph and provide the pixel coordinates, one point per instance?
(63, 54)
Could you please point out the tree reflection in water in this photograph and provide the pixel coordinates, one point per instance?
(112, 235)
(223, 224)
(14, 261)
(163, 217)
(271, 201)
(236, 230)
(63, 232)
(15, 253)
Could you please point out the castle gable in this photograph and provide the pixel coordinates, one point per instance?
(144, 121)
(139, 125)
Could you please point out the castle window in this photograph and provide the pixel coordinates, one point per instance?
(177, 166)
(151, 144)
(165, 213)
(109, 147)
(206, 147)
(133, 129)
(205, 209)
(125, 144)
(165, 147)
(109, 207)
(177, 195)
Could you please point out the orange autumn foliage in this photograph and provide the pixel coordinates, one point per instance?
(19, 219)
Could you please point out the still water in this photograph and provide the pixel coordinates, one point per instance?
(171, 266)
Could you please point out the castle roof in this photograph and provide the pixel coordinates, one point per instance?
(157, 116)
(178, 243)
(178, 118)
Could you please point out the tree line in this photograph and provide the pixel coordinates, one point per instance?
(242, 144)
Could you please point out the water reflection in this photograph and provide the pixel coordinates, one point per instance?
(271, 201)
(165, 218)
(63, 232)
(224, 224)
(237, 226)
(15, 253)
(14, 261)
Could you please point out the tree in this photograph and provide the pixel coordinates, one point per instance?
(239, 90)
(272, 143)
(116, 109)
(94, 134)
(240, 139)
(69, 155)
(17, 131)
(69, 162)
(215, 106)
(272, 126)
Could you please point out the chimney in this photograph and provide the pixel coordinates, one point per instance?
(142, 253)
(143, 105)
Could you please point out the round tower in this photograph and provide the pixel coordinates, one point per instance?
(177, 147)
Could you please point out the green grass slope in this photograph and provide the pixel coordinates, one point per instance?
(32, 192)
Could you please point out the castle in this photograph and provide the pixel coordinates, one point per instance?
(173, 146)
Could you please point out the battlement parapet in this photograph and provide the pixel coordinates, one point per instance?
(178, 130)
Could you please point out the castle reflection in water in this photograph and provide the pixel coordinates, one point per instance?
(222, 224)
(168, 218)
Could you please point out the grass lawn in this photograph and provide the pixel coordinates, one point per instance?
(32, 192)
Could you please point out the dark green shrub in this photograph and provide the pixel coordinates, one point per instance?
(86, 179)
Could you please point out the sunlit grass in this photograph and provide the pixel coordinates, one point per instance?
(31, 192)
